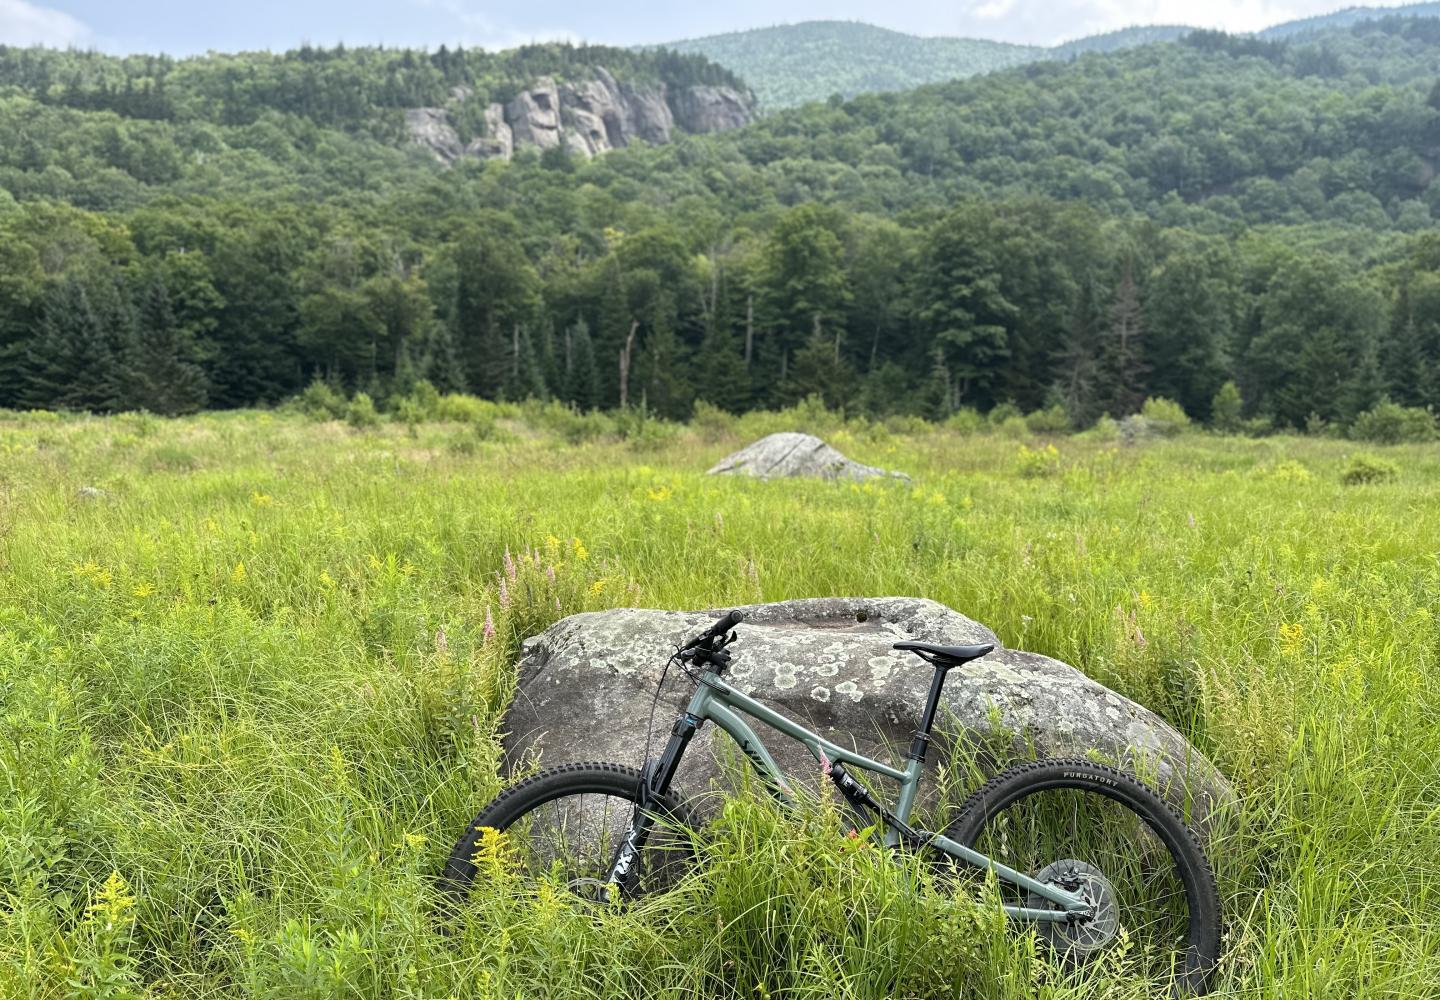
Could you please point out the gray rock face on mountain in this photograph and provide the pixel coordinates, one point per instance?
(498, 142)
(586, 685)
(790, 454)
(588, 117)
(431, 128)
(534, 115)
(711, 109)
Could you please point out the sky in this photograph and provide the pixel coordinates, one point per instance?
(182, 27)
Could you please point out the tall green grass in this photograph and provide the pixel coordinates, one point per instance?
(250, 694)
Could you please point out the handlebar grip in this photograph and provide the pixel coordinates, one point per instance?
(727, 623)
(722, 626)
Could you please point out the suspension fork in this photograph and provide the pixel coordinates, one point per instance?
(655, 781)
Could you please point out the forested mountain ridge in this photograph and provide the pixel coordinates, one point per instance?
(1346, 18)
(1078, 234)
(362, 91)
(791, 64)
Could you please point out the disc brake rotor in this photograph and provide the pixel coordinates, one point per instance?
(1078, 938)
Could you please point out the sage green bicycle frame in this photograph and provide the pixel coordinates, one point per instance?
(719, 702)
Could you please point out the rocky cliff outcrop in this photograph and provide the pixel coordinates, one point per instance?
(587, 117)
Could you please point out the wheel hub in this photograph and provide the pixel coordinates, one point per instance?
(1083, 936)
(591, 891)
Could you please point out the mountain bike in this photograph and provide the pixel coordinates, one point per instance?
(1086, 854)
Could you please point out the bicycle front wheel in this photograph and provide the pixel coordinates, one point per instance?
(1093, 829)
(568, 823)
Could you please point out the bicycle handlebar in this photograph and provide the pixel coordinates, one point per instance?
(725, 624)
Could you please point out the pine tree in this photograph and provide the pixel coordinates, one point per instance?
(720, 375)
(582, 387)
(72, 364)
(159, 364)
(820, 370)
(529, 369)
(1122, 362)
(1403, 363)
(443, 366)
(667, 393)
(936, 397)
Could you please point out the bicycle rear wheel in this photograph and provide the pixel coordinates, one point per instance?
(1093, 829)
(568, 823)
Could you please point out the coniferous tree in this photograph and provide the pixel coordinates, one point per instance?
(582, 388)
(74, 362)
(529, 369)
(719, 370)
(1402, 362)
(1122, 361)
(820, 370)
(443, 366)
(937, 395)
(666, 390)
(159, 362)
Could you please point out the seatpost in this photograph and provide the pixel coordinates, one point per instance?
(927, 721)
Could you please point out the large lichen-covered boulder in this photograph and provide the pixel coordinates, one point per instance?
(792, 454)
(587, 683)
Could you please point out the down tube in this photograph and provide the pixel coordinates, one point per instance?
(751, 747)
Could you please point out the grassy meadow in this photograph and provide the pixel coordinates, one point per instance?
(250, 693)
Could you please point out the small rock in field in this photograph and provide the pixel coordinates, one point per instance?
(790, 454)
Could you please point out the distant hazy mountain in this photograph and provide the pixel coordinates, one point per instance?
(1348, 16)
(791, 64)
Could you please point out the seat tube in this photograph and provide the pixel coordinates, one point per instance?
(921, 742)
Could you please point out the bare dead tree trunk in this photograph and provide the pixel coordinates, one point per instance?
(625, 363)
(749, 328)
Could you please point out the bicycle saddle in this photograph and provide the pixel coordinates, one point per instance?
(951, 656)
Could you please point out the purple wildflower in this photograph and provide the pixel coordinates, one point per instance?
(509, 564)
(489, 624)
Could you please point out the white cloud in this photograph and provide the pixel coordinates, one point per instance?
(23, 23)
(477, 28)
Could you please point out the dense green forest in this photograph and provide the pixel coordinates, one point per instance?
(1153, 222)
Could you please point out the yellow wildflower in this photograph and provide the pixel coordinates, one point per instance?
(113, 902)
(1292, 636)
(238, 574)
(581, 552)
(93, 573)
(598, 586)
(326, 580)
(142, 590)
(1145, 599)
(262, 499)
(659, 494)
